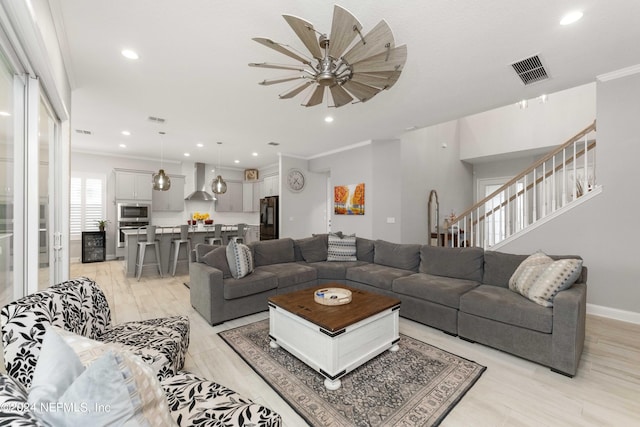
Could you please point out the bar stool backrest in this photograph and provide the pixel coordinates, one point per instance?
(151, 233)
(217, 230)
(241, 228)
(184, 232)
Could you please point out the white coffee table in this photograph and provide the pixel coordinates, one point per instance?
(334, 340)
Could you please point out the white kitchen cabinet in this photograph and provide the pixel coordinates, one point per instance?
(257, 189)
(232, 200)
(271, 185)
(247, 197)
(132, 185)
(171, 200)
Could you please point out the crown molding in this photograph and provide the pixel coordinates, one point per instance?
(623, 72)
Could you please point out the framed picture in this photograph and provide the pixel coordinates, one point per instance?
(348, 199)
(251, 174)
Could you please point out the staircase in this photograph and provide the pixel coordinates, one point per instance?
(561, 179)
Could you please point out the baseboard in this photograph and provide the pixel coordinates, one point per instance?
(613, 313)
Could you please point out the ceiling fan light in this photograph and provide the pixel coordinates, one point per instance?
(219, 186)
(161, 181)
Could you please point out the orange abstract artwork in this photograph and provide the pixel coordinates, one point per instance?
(348, 199)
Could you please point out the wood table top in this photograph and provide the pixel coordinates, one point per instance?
(334, 317)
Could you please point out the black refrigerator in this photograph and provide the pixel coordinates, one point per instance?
(269, 218)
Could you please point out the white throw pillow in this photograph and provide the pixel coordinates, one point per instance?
(239, 259)
(342, 247)
(116, 386)
(539, 278)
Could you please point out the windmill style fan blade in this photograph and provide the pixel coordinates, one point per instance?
(316, 97)
(344, 28)
(306, 33)
(340, 96)
(392, 60)
(381, 79)
(296, 90)
(375, 42)
(276, 66)
(281, 48)
(281, 80)
(361, 91)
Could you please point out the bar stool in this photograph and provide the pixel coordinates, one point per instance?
(147, 237)
(217, 236)
(175, 245)
(239, 236)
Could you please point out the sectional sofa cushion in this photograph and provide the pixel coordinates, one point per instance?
(329, 270)
(539, 278)
(217, 258)
(291, 273)
(240, 259)
(459, 263)
(341, 248)
(255, 283)
(379, 276)
(505, 306)
(202, 249)
(311, 249)
(277, 251)
(365, 249)
(440, 289)
(397, 255)
(499, 267)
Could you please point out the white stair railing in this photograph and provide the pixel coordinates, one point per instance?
(553, 182)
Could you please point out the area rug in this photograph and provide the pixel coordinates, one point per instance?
(415, 386)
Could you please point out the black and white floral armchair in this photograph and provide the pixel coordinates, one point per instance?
(79, 306)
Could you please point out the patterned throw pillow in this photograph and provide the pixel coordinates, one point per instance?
(539, 278)
(342, 247)
(240, 259)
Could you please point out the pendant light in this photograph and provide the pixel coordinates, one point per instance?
(161, 181)
(218, 186)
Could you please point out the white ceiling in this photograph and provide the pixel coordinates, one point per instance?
(193, 69)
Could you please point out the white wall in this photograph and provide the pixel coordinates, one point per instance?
(603, 230)
(431, 161)
(351, 166)
(510, 129)
(305, 212)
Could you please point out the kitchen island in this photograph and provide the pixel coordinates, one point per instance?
(165, 235)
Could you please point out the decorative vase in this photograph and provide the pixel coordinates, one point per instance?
(200, 225)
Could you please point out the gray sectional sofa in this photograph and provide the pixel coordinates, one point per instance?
(462, 291)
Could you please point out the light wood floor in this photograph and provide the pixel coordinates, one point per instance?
(512, 391)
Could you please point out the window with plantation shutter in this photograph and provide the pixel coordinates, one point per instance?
(87, 203)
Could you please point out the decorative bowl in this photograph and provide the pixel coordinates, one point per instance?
(332, 296)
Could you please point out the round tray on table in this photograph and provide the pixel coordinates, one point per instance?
(332, 296)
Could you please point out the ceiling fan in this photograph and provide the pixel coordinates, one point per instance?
(349, 69)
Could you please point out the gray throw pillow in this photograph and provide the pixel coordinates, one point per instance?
(217, 258)
(364, 249)
(313, 249)
(202, 249)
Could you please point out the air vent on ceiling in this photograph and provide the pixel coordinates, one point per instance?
(83, 132)
(156, 119)
(273, 143)
(530, 70)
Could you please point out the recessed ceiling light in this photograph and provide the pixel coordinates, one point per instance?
(4, 114)
(571, 17)
(199, 145)
(254, 154)
(126, 133)
(129, 54)
(123, 145)
(187, 154)
(328, 119)
(236, 161)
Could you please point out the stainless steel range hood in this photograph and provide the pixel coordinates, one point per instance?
(200, 194)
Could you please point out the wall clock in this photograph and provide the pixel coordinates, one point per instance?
(295, 180)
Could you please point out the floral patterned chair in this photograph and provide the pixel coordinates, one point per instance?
(79, 306)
